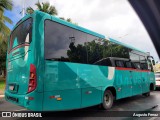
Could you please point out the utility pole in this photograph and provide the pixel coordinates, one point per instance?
(23, 9)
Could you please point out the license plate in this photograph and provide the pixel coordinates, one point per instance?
(11, 87)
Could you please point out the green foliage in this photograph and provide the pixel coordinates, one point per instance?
(44, 7)
(3, 52)
(47, 8)
(4, 30)
(2, 84)
(5, 4)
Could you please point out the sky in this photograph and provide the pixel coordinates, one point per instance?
(112, 18)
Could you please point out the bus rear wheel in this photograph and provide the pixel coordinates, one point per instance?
(146, 94)
(107, 100)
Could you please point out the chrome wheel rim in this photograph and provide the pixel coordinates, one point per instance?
(107, 99)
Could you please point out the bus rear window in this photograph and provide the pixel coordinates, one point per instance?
(21, 34)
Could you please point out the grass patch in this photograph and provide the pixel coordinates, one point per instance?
(2, 84)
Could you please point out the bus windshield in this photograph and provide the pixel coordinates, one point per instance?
(21, 34)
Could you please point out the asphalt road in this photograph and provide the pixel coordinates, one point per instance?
(136, 103)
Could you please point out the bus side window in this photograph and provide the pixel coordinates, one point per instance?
(144, 66)
(128, 64)
(143, 62)
(119, 63)
(105, 62)
(98, 63)
(108, 62)
(137, 65)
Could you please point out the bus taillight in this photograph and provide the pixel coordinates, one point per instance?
(32, 80)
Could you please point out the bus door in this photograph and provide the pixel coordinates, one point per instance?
(137, 81)
(144, 74)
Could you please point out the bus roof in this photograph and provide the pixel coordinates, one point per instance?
(126, 45)
(92, 33)
(56, 19)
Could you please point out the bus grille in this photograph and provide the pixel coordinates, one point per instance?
(12, 99)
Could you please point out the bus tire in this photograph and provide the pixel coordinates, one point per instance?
(146, 94)
(107, 100)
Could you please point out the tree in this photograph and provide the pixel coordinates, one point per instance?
(4, 31)
(3, 51)
(5, 4)
(44, 7)
(47, 8)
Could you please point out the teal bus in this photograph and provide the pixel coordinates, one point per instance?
(54, 65)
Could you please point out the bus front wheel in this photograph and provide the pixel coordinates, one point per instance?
(107, 100)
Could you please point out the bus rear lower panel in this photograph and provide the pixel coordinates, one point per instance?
(31, 101)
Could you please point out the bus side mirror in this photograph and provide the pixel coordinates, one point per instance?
(153, 62)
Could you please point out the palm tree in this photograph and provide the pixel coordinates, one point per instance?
(5, 4)
(44, 7)
(47, 8)
(3, 50)
(4, 31)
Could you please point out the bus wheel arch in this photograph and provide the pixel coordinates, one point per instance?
(109, 96)
(113, 90)
(151, 87)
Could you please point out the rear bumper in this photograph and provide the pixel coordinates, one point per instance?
(14, 98)
(23, 100)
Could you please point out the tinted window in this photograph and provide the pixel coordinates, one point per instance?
(94, 48)
(119, 51)
(63, 43)
(119, 64)
(77, 50)
(137, 65)
(57, 41)
(21, 34)
(143, 62)
(144, 66)
(128, 64)
(104, 62)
